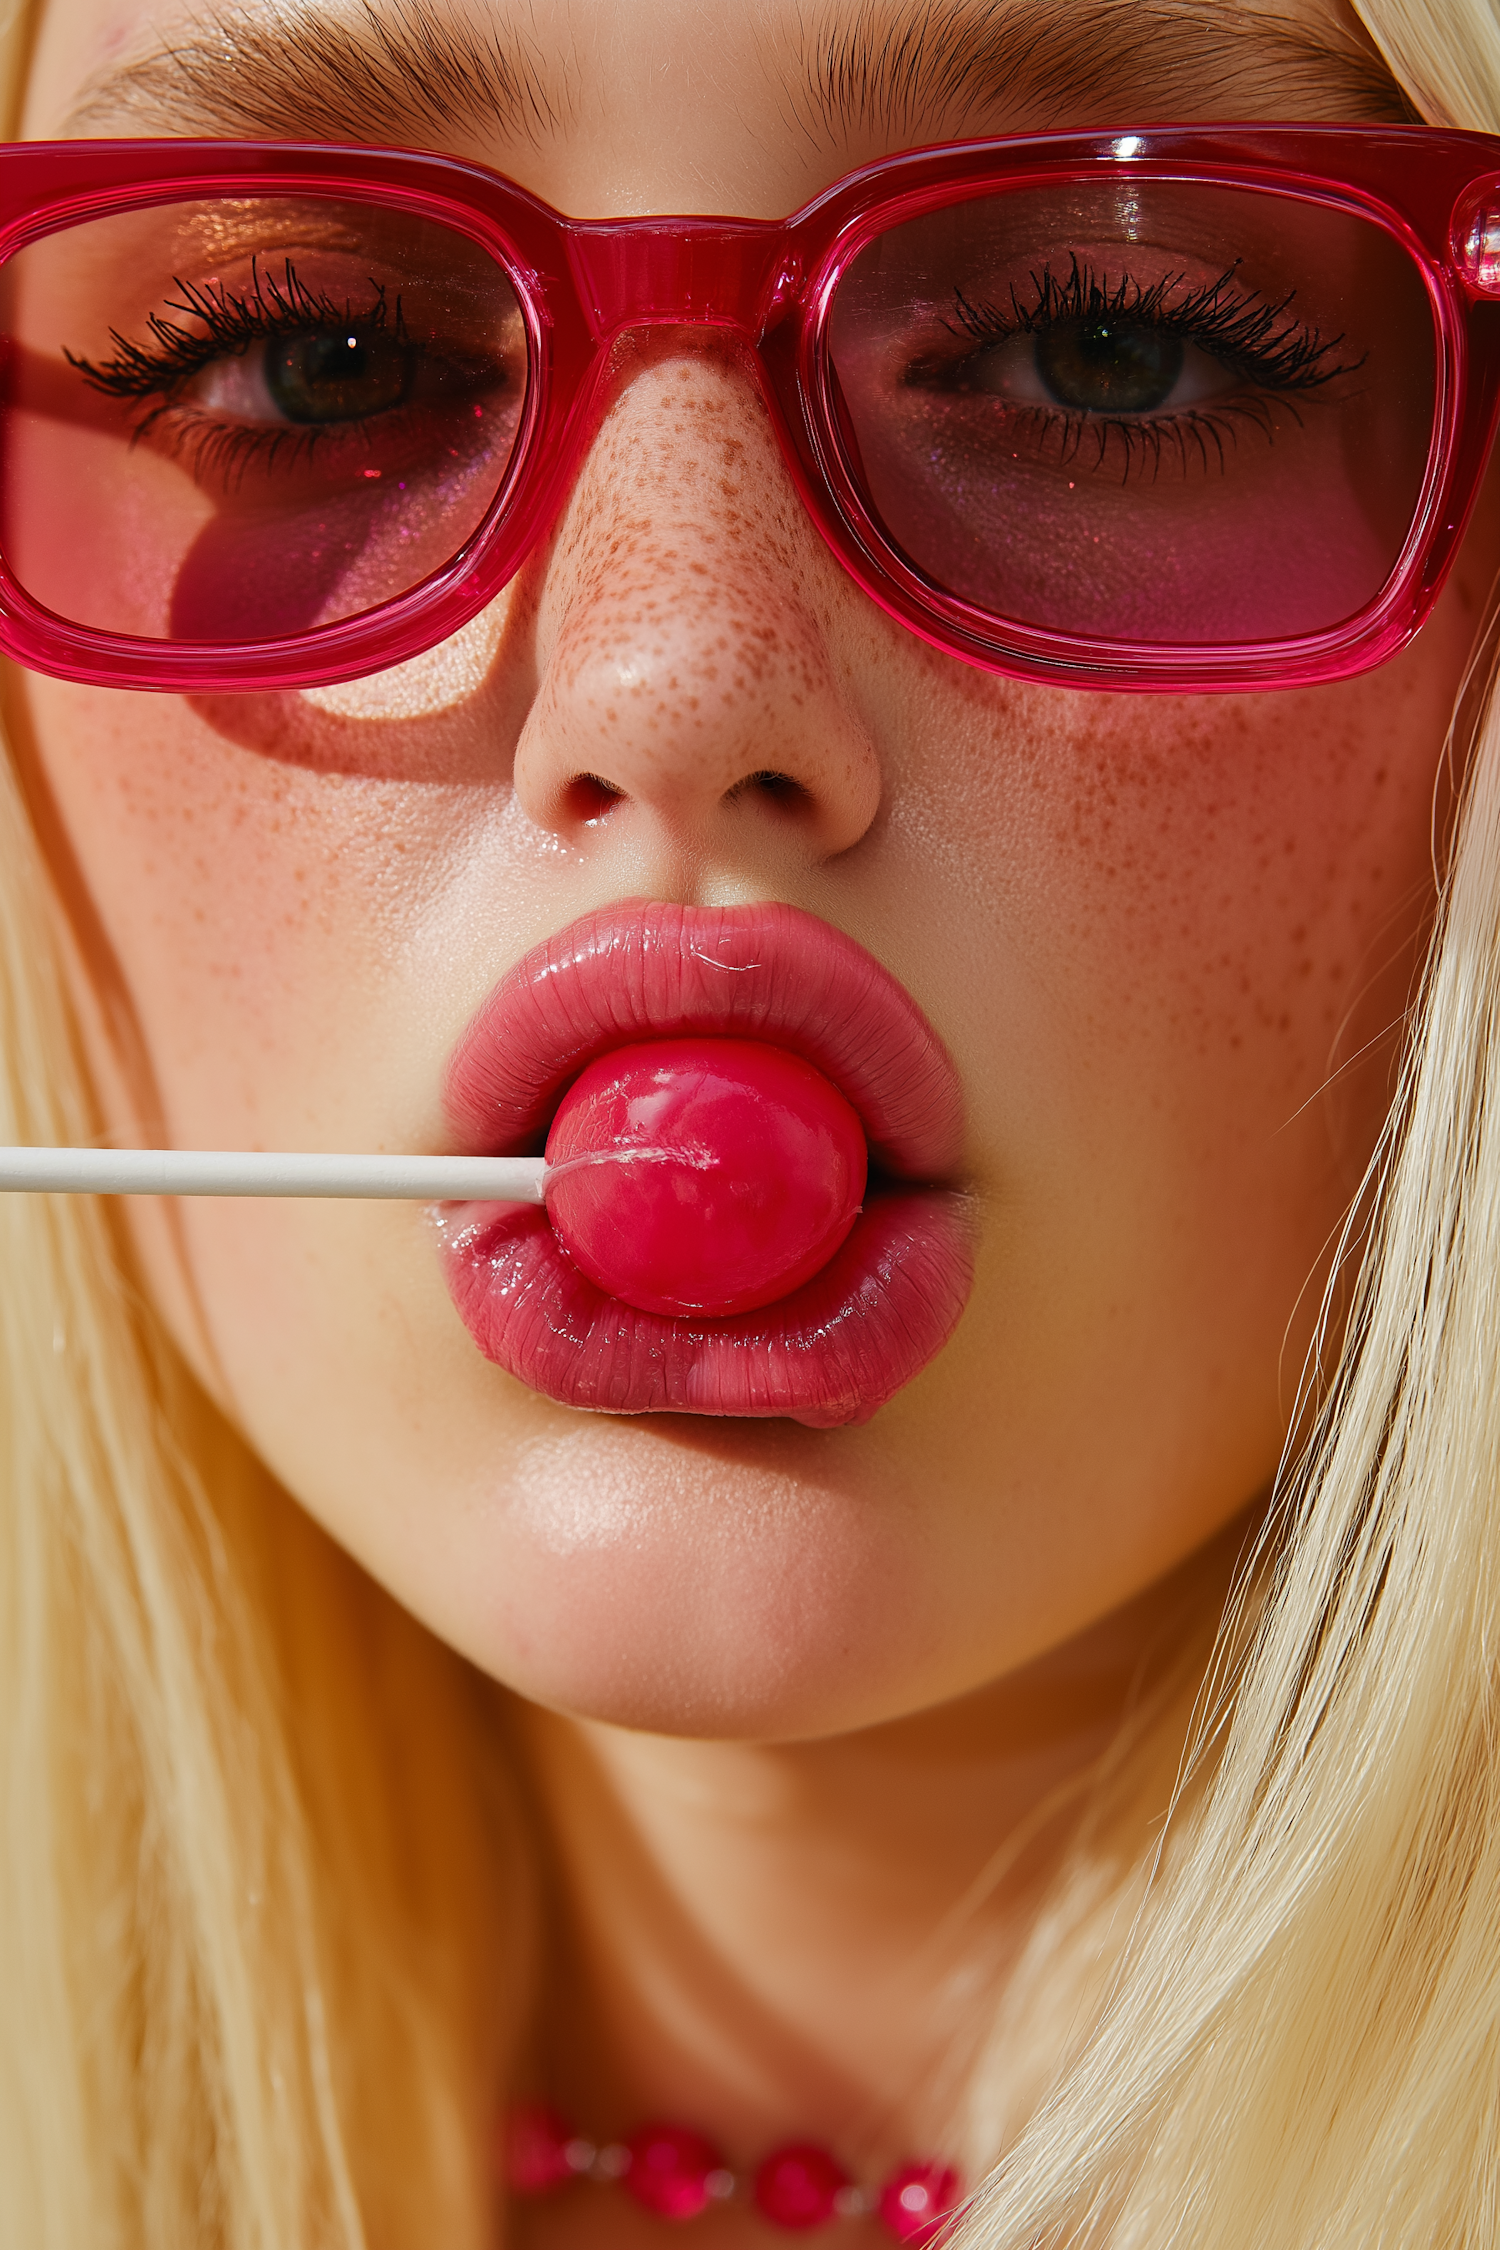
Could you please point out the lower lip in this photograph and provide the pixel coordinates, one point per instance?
(829, 1354)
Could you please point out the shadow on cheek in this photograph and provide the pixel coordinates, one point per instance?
(243, 580)
(472, 743)
(453, 714)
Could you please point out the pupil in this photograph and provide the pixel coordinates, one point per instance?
(1108, 367)
(335, 378)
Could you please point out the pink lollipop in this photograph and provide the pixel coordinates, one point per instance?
(703, 1175)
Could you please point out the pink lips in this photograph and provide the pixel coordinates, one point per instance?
(841, 1344)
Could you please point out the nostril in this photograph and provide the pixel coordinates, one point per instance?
(589, 797)
(776, 788)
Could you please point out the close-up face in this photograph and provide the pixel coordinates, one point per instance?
(1143, 958)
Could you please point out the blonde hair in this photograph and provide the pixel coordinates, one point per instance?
(211, 1920)
(261, 1979)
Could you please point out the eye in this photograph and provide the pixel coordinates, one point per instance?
(1106, 365)
(311, 376)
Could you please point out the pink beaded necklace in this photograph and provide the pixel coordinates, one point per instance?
(675, 2173)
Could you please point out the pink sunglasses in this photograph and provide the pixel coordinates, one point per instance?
(1169, 409)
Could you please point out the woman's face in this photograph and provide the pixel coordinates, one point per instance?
(1165, 939)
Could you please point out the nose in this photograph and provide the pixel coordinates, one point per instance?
(689, 698)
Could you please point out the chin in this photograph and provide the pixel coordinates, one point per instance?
(649, 1580)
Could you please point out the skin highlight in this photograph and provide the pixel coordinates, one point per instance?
(1168, 941)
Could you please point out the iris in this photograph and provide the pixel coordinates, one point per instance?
(321, 377)
(1108, 366)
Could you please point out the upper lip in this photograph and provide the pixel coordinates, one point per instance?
(766, 971)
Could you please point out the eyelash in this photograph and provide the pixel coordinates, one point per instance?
(232, 323)
(1239, 331)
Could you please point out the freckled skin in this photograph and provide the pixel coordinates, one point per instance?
(1166, 940)
(687, 626)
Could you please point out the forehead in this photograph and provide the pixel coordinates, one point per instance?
(687, 103)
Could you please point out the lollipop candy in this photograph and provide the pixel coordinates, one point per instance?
(703, 1175)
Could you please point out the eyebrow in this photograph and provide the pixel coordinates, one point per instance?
(402, 72)
(890, 67)
(408, 71)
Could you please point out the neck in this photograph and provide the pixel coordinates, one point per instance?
(794, 1941)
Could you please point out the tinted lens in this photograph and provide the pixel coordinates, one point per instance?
(239, 419)
(1141, 410)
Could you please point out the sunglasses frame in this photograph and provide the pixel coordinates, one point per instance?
(584, 284)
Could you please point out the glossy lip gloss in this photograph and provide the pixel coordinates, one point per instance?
(840, 1345)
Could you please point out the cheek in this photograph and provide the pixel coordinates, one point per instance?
(216, 882)
(1175, 940)
(1207, 908)
(283, 926)
(1230, 890)
(254, 879)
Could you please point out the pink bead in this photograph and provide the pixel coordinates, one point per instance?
(670, 2169)
(763, 1179)
(536, 2149)
(798, 2186)
(918, 2200)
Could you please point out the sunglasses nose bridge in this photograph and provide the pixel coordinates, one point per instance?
(682, 272)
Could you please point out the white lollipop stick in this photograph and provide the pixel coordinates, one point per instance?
(193, 1171)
